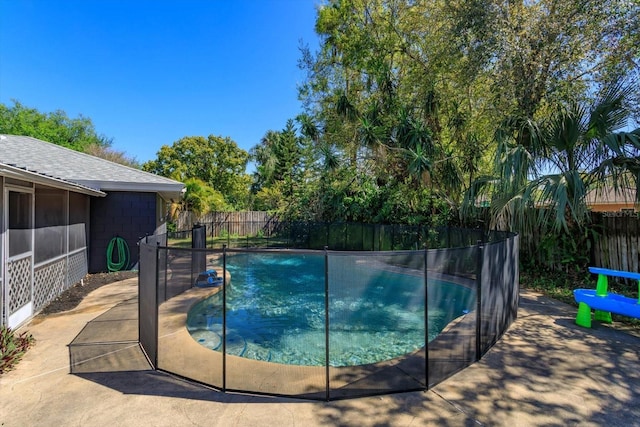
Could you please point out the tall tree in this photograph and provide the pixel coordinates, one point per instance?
(279, 162)
(108, 153)
(577, 149)
(78, 134)
(214, 160)
(389, 70)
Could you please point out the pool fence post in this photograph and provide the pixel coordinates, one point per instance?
(224, 317)
(156, 313)
(479, 262)
(166, 264)
(327, 234)
(393, 237)
(326, 321)
(426, 317)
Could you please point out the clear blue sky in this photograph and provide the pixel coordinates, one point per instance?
(148, 72)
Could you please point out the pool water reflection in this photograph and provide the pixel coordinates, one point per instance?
(276, 310)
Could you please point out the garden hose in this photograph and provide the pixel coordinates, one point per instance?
(123, 254)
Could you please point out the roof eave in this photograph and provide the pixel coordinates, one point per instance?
(166, 190)
(26, 175)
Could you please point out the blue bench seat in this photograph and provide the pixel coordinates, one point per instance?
(603, 302)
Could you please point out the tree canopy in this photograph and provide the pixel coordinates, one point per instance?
(215, 161)
(406, 101)
(279, 159)
(56, 127)
(578, 149)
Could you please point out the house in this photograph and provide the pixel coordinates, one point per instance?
(608, 199)
(59, 210)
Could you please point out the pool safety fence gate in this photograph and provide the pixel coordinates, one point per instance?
(348, 315)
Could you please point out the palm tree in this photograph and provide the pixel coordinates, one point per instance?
(576, 150)
(198, 199)
(266, 159)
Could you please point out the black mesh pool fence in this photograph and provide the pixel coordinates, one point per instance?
(336, 236)
(328, 324)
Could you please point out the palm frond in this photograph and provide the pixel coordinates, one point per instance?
(478, 194)
(610, 113)
(331, 161)
(562, 197)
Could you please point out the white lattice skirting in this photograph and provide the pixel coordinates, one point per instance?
(19, 273)
(48, 282)
(78, 268)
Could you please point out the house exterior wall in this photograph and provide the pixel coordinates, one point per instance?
(71, 233)
(611, 207)
(129, 215)
(2, 263)
(58, 258)
(17, 253)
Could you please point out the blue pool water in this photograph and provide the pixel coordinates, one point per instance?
(276, 309)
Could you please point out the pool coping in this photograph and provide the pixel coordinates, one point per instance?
(179, 353)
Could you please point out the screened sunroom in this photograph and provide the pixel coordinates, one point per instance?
(59, 209)
(44, 248)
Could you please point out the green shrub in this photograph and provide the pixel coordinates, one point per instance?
(12, 347)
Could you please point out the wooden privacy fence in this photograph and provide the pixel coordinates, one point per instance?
(619, 238)
(246, 223)
(615, 245)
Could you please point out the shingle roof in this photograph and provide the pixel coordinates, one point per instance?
(51, 160)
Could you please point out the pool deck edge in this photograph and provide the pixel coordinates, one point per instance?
(544, 371)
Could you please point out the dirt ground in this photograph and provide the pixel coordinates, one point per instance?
(70, 298)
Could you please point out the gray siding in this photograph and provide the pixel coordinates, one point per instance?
(128, 215)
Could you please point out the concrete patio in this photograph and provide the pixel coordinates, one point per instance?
(546, 371)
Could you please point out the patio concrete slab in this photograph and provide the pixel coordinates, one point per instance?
(546, 371)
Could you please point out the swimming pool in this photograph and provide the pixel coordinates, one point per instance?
(276, 309)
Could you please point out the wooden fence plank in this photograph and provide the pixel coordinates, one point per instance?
(246, 223)
(617, 247)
